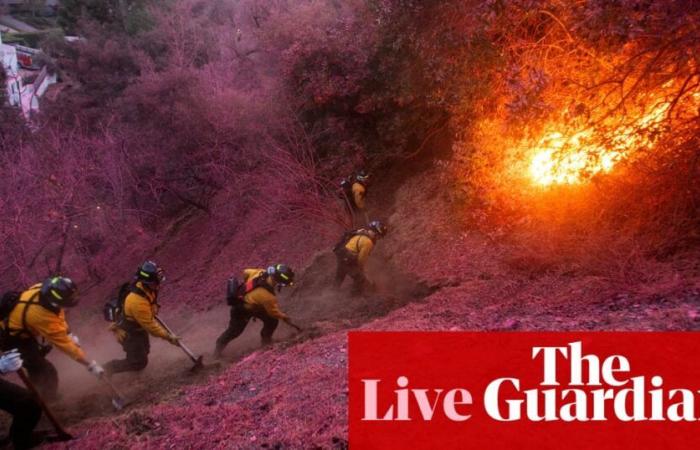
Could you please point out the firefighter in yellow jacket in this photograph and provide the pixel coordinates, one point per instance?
(39, 314)
(359, 190)
(355, 195)
(138, 319)
(255, 297)
(352, 253)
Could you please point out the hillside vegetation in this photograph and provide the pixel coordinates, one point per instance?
(537, 163)
(572, 128)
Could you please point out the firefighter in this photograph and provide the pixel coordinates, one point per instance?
(355, 191)
(255, 298)
(352, 253)
(39, 313)
(139, 320)
(19, 403)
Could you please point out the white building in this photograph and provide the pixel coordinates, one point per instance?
(24, 96)
(33, 92)
(8, 56)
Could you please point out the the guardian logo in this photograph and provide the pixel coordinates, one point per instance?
(594, 390)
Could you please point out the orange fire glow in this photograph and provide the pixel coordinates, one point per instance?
(574, 156)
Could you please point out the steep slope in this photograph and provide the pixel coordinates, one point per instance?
(432, 275)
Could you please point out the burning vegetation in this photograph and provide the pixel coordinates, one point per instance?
(589, 141)
(574, 157)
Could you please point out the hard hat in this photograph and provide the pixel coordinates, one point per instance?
(282, 274)
(362, 176)
(59, 292)
(378, 228)
(150, 273)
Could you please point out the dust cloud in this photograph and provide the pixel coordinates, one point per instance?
(313, 303)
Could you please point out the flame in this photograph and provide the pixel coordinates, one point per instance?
(559, 159)
(571, 158)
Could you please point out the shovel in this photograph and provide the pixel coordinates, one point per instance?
(117, 399)
(61, 433)
(197, 360)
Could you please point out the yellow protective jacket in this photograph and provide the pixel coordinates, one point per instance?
(42, 322)
(358, 195)
(143, 310)
(261, 297)
(360, 246)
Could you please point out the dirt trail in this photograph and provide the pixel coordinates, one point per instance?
(315, 299)
(314, 303)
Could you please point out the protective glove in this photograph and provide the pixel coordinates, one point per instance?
(95, 369)
(74, 338)
(175, 340)
(10, 361)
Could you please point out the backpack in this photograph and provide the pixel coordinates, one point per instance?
(344, 239)
(235, 290)
(7, 303)
(113, 311)
(233, 287)
(339, 247)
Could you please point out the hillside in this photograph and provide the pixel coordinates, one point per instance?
(432, 275)
(536, 162)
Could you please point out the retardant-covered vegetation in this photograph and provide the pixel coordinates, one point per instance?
(572, 127)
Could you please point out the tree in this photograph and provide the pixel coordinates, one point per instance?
(129, 16)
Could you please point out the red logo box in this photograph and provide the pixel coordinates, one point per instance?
(524, 390)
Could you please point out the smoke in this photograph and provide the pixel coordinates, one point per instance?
(316, 299)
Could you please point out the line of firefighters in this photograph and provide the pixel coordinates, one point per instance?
(33, 321)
